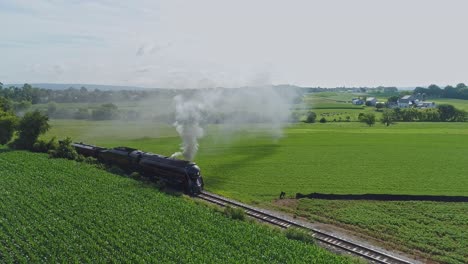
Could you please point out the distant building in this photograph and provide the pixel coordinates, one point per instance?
(406, 101)
(371, 101)
(357, 101)
(425, 104)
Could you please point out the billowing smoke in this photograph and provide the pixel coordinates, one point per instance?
(189, 115)
(232, 109)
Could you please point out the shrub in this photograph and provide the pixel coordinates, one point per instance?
(82, 113)
(234, 213)
(360, 116)
(30, 127)
(65, 150)
(105, 112)
(116, 170)
(369, 119)
(323, 120)
(45, 146)
(299, 234)
(91, 160)
(135, 175)
(311, 117)
(8, 124)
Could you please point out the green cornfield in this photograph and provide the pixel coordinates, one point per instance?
(54, 210)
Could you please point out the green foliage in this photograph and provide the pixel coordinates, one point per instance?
(66, 151)
(299, 234)
(116, 170)
(105, 112)
(388, 117)
(443, 113)
(8, 124)
(234, 213)
(55, 210)
(21, 106)
(360, 117)
(393, 99)
(368, 118)
(323, 120)
(311, 117)
(135, 175)
(450, 113)
(30, 127)
(45, 146)
(82, 113)
(51, 108)
(380, 105)
(6, 105)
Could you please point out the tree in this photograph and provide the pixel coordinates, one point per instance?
(6, 105)
(22, 106)
(311, 117)
(82, 113)
(323, 120)
(379, 106)
(393, 99)
(368, 118)
(360, 116)
(51, 108)
(447, 112)
(388, 117)
(105, 112)
(8, 123)
(30, 127)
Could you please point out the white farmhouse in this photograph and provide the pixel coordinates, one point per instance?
(406, 101)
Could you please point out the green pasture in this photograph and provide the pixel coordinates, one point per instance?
(341, 157)
(61, 211)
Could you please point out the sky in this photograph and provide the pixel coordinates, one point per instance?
(212, 43)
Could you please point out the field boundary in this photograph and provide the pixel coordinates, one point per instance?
(384, 197)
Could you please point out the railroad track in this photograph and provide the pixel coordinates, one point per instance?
(374, 255)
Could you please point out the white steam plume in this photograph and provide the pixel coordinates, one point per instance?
(188, 118)
(231, 108)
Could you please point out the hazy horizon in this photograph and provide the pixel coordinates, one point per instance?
(180, 44)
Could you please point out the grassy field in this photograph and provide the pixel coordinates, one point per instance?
(54, 210)
(435, 230)
(407, 158)
(342, 158)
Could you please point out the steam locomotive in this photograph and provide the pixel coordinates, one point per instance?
(178, 172)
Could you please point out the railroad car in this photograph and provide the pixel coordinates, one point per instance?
(174, 171)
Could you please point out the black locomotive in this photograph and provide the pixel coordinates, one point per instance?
(174, 171)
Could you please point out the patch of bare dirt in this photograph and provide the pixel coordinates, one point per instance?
(290, 203)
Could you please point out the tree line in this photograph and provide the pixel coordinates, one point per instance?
(460, 91)
(36, 95)
(443, 113)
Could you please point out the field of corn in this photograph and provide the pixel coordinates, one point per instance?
(54, 210)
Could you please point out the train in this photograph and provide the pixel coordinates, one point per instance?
(154, 166)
